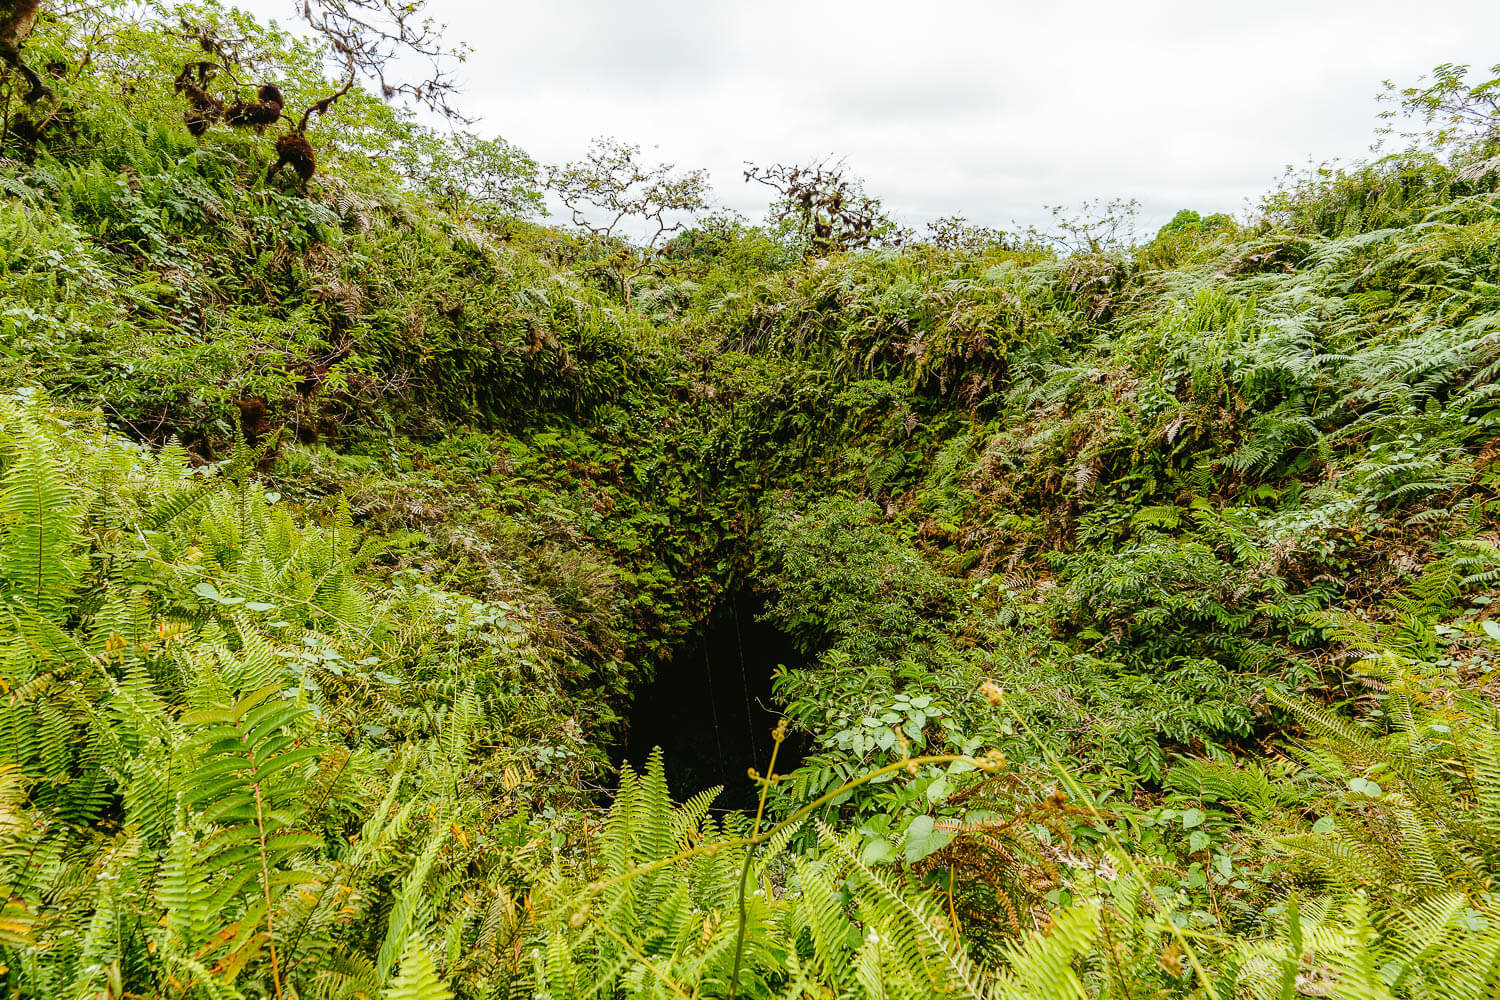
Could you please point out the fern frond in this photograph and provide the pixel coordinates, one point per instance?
(417, 979)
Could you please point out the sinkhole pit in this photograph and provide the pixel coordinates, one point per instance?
(710, 706)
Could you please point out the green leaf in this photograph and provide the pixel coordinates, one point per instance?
(206, 715)
(922, 838)
(876, 852)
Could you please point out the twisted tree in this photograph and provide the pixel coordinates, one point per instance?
(366, 36)
(826, 207)
(16, 20)
(611, 190)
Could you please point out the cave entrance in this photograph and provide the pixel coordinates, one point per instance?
(710, 709)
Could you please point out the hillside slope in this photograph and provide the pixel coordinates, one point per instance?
(1139, 599)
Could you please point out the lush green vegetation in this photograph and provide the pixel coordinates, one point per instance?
(1143, 591)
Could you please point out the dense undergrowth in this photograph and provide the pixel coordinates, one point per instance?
(1145, 592)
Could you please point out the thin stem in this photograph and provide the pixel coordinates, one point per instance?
(760, 809)
(952, 910)
(265, 875)
(635, 952)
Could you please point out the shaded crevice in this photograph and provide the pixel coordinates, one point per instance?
(710, 706)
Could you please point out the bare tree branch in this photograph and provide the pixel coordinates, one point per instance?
(373, 36)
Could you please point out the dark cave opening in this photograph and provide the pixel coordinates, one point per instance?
(710, 707)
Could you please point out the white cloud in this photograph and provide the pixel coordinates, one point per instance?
(956, 106)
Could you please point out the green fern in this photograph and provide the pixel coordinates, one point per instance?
(39, 517)
(417, 979)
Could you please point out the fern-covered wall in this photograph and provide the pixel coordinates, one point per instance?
(1135, 605)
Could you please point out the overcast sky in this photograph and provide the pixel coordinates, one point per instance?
(991, 110)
